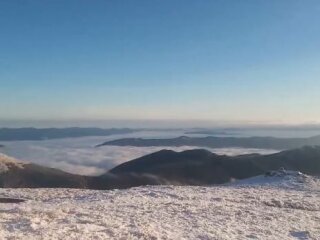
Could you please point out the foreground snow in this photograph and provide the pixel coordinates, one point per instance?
(285, 209)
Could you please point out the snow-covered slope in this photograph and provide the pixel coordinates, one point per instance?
(244, 210)
(281, 179)
(7, 162)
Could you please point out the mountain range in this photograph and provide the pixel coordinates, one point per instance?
(20, 134)
(192, 167)
(218, 142)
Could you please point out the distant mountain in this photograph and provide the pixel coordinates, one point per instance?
(218, 142)
(203, 167)
(208, 132)
(18, 134)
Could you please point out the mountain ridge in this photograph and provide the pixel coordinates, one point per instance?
(218, 142)
(36, 134)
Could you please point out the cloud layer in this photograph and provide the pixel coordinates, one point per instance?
(78, 155)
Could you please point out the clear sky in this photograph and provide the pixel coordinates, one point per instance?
(250, 60)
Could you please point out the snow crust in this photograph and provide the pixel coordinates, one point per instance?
(285, 209)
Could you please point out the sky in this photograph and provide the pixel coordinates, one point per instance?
(251, 61)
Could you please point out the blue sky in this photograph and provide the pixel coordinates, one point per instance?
(251, 60)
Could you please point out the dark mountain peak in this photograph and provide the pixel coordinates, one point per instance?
(184, 138)
(187, 153)
(198, 153)
(190, 153)
(163, 152)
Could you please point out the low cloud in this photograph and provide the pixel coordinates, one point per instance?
(78, 155)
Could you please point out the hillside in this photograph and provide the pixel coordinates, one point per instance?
(204, 167)
(218, 142)
(287, 208)
(17, 174)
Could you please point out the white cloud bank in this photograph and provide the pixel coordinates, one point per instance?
(78, 155)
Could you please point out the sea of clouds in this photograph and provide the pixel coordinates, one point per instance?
(79, 155)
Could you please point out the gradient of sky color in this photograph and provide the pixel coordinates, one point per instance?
(252, 60)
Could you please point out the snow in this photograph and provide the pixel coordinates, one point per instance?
(6, 162)
(281, 178)
(285, 209)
